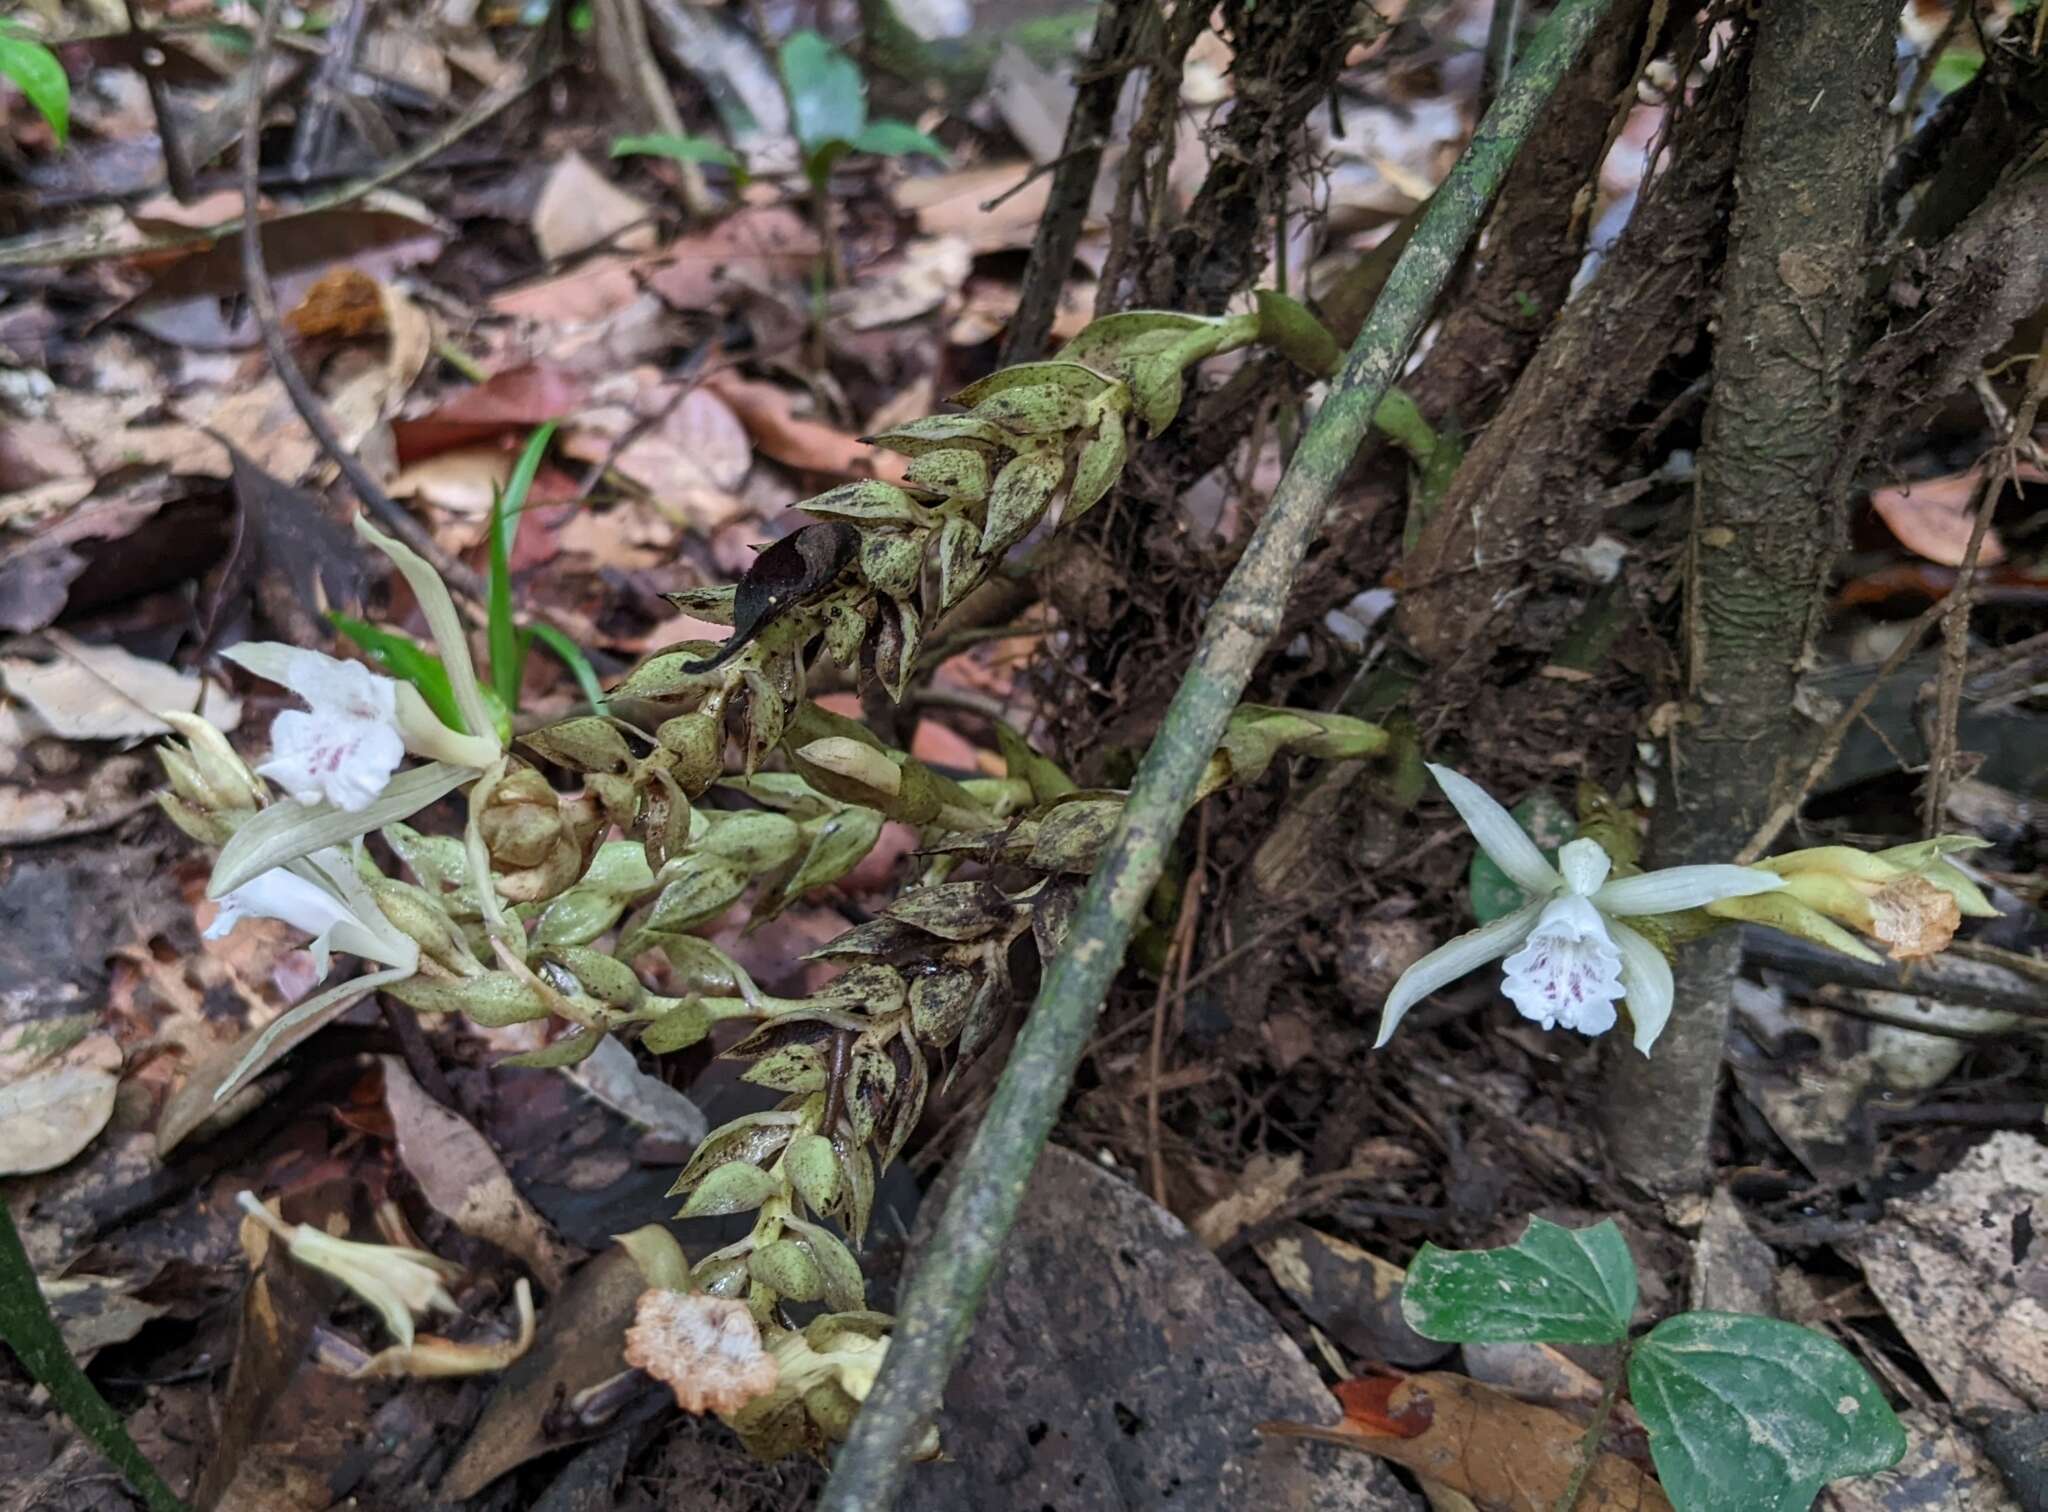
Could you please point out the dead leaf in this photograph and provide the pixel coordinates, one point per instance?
(1352, 1294)
(611, 1075)
(580, 1344)
(343, 304)
(462, 481)
(1970, 1298)
(93, 1312)
(106, 693)
(1932, 517)
(771, 242)
(927, 274)
(514, 401)
(55, 1108)
(951, 204)
(769, 415)
(579, 208)
(431, 1357)
(115, 789)
(1267, 1181)
(1506, 1455)
(287, 554)
(595, 291)
(1732, 1269)
(463, 1178)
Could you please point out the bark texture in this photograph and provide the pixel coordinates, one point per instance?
(1768, 516)
(1531, 485)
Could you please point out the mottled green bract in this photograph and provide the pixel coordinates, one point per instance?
(1563, 1286)
(1550, 824)
(1752, 1414)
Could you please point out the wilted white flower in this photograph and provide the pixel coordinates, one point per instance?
(323, 895)
(1572, 956)
(396, 1281)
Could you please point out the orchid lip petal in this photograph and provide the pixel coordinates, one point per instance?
(1453, 959)
(1681, 887)
(1646, 980)
(1497, 833)
(1568, 974)
(1584, 864)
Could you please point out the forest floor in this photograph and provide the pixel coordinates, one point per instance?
(161, 500)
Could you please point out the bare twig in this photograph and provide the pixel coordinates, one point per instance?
(313, 137)
(1117, 27)
(1955, 624)
(1174, 969)
(954, 1269)
(177, 160)
(263, 305)
(1596, 1430)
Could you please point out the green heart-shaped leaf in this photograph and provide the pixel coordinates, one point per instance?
(1559, 1285)
(1751, 1414)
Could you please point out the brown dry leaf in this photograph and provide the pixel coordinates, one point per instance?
(106, 693)
(515, 400)
(810, 445)
(1970, 1301)
(705, 1349)
(1931, 517)
(595, 291)
(950, 204)
(1352, 1294)
(578, 1347)
(1507, 1455)
(1267, 1181)
(769, 244)
(462, 481)
(117, 788)
(924, 278)
(463, 1178)
(93, 1312)
(579, 208)
(98, 424)
(58, 1103)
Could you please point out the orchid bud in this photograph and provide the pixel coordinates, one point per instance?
(521, 821)
(418, 915)
(609, 980)
(698, 745)
(214, 778)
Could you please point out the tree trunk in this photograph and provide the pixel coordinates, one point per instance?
(1768, 518)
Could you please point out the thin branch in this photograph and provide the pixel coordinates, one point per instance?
(1596, 1430)
(1073, 181)
(953, 1271)
(263, 304)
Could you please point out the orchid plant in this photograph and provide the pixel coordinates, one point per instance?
(585, 908)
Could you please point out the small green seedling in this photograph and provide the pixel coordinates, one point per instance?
(509, 642)
(683, 149)
(828, 110)
(37, 73)
(1745, 1413)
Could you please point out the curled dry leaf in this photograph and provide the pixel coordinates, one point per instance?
(463, 1178)
(1914, 918)
(579, 208)
(1267, 1182)
(57, 1100)
(1932, 517)
(705, 1349)
(810, 445)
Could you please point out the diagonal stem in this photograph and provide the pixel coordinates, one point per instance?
(953, 1272)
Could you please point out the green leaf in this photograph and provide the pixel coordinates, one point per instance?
(1546, 821)
(1752, 1414)
(408, 661)
(682, 149)
(1557, 1285)
(32, 1335)
(897, 139)
(827, 97)
(37, 73)
(508, 652)
(573, 658)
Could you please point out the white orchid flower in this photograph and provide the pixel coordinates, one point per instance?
(339, 759)
(1572, 956)
(324, 895)
(398, 1282)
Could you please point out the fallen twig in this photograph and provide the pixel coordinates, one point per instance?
(263, 305)
(953, 1270)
